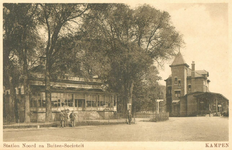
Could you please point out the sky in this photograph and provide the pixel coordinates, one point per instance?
(204, 27)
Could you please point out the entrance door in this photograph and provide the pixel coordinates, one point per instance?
(175, 109)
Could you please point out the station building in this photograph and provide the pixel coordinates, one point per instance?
(187, 91)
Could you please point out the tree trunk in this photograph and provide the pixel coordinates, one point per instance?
(125, 100)
(16, 112)
(128, 98)
(11, 116)
(26, 93)
(48, 117)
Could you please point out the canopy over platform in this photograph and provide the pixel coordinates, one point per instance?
(210, 95)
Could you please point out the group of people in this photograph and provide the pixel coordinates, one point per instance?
(64, 116)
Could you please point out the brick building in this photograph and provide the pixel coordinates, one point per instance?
(187, 91)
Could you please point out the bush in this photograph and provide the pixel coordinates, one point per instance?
(160, 117)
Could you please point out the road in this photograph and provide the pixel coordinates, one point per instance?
(175, 129)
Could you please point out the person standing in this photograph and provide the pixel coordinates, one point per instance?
(62, 119)
(72, 118)
(129, 117)
(65, 118)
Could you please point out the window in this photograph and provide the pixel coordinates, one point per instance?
(179, 83)
(101, 103)
(101, 100)
(88, 103)
(69, 102)
(189, 87)
(42, 102)
(81, 103)
(66, 99)
(94, 101)
(177, 93)
(175, 81)
(19, 90)
(54, 99)
(94, 104)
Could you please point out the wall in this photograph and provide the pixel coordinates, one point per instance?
(80, 116)
(198, 85)
(183, 107)
(191, 105)
(179, 72)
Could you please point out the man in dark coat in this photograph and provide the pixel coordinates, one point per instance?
(65, 117)
(62, 119)
(72, 118)
(129, 116)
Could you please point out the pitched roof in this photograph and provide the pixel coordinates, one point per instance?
(179, 60)
(211, 95)
(198, 73)
(202, 72)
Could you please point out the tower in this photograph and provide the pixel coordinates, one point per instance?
(179, 83)
(179, 77)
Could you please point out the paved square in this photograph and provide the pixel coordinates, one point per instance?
(175, 129)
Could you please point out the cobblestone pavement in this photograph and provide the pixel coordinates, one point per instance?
(175, 129)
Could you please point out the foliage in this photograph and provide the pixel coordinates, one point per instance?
(112, 41)
(20, 42)
(126, 42)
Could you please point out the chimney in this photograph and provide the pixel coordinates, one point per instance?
(193, 70)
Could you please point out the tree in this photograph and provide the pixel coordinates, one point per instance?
(57, 18)
(147, 90)
(131, 40)
(20, 39)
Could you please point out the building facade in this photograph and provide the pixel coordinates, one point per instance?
(85, 98)
(183, 87)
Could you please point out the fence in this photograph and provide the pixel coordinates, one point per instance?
(153, 116)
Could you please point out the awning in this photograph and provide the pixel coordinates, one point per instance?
(175, 101)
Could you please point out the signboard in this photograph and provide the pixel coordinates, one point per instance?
(159, 100)
(219, 105)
